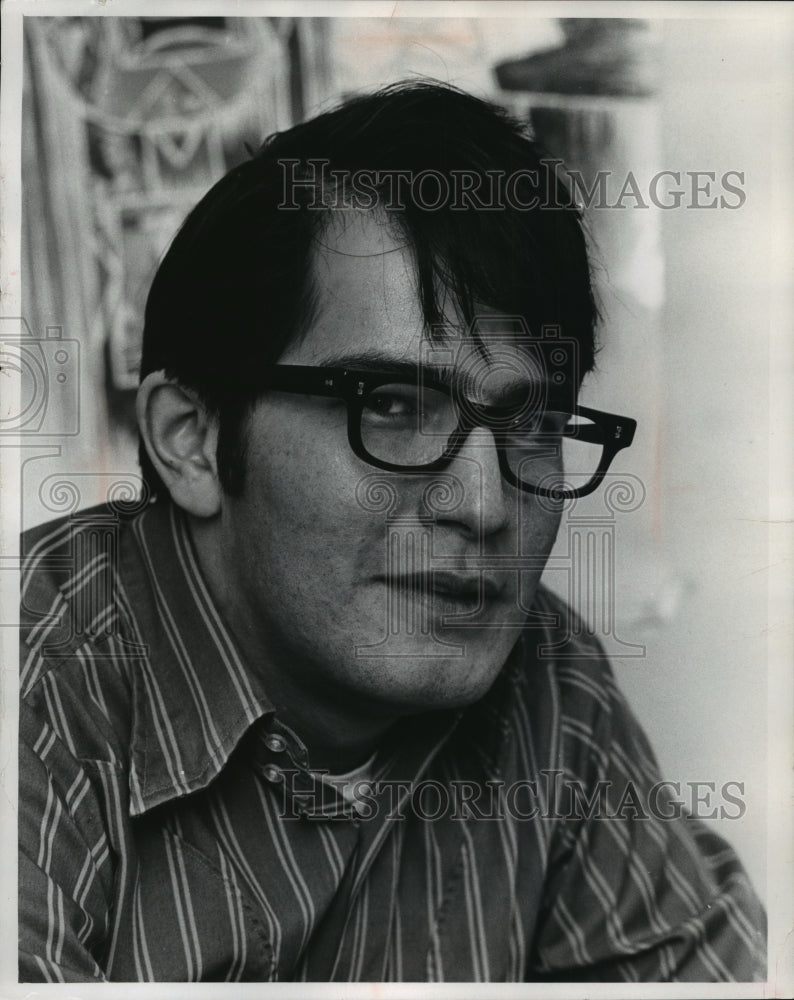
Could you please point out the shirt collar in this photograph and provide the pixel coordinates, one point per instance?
(194, 695)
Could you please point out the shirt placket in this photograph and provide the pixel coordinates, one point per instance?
(352, 941)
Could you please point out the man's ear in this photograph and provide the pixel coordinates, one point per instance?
(181, 439)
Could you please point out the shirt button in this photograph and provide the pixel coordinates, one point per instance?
(275, 743)
(273, 773)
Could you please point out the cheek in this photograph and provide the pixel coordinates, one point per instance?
(300, 489)
(539, 522)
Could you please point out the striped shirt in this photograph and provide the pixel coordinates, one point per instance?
(171, 827)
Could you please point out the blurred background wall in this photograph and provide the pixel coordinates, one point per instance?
(129, 120)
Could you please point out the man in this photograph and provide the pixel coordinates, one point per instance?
(306, 712)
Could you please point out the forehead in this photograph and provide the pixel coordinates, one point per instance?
(368, 302)
(365, 291)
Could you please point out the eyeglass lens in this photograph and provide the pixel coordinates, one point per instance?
(410, 426)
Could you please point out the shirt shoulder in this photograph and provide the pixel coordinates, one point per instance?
(71, 582)
(563, 709)
(564, 680)
(78, 638)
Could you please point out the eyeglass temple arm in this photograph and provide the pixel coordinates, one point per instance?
(608, 429)
(304, 378)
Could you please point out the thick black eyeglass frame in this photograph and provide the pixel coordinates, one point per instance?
(612, 432)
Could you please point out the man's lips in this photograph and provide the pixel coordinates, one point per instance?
(446, 585)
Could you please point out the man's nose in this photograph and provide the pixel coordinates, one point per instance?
(484, 507)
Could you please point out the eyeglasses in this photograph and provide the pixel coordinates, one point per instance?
(416, 423)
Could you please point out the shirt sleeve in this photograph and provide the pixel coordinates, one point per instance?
(637, 889)
(65, 864)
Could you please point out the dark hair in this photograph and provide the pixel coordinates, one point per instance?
(235, 286)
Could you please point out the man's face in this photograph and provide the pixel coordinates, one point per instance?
(348, 596)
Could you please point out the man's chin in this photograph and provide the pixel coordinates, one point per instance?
(420, 676)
